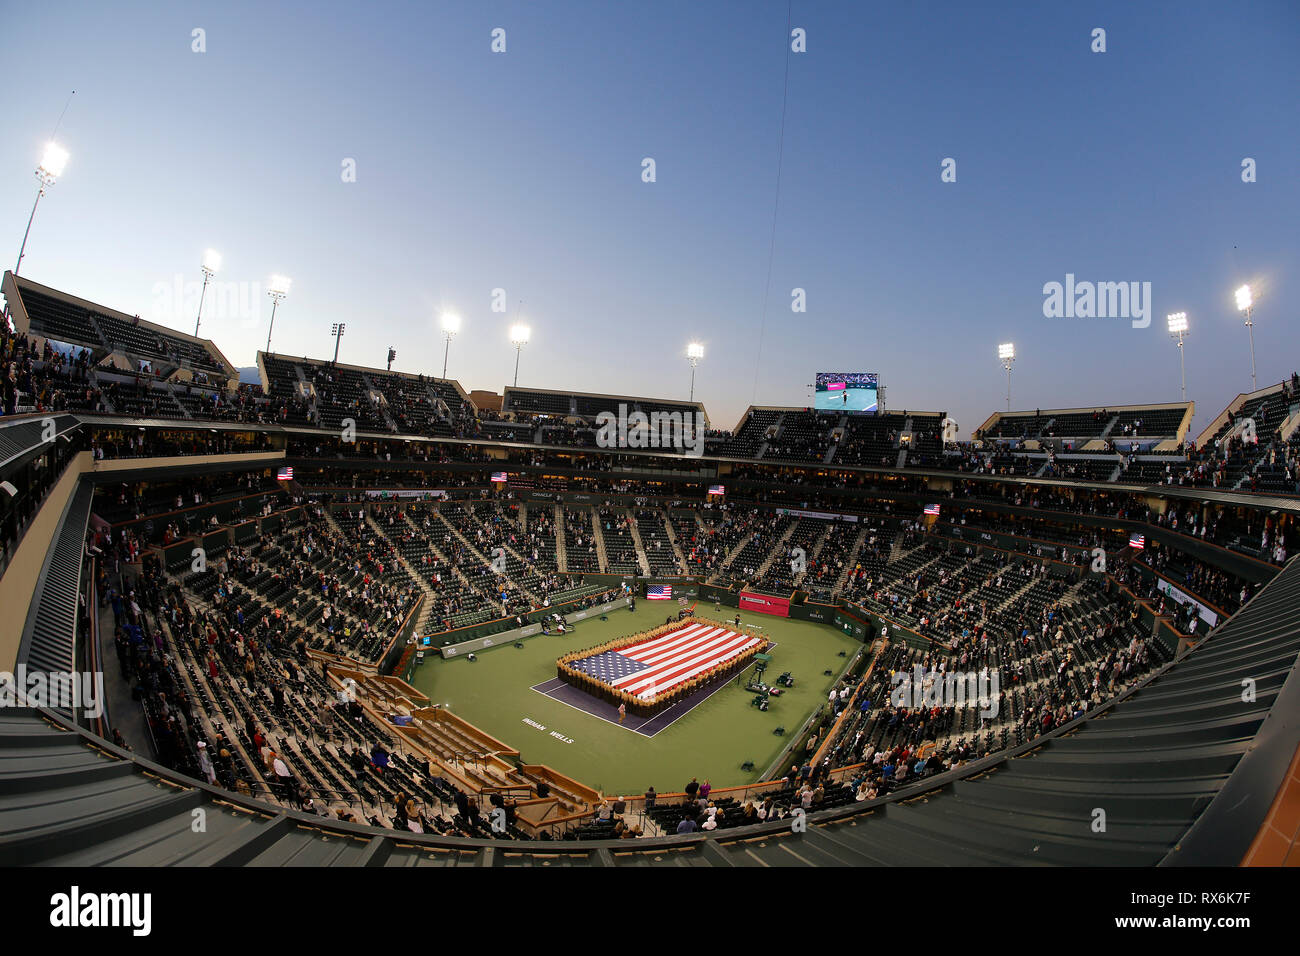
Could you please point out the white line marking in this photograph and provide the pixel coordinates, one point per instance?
(614, 723)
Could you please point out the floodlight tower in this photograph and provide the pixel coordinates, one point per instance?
(48, 170)
(337, 330)
(1007, 353)
(1178, 328)
(450, 326)
(1246, 301)
(519, 336)
(279, 288)
(210, 265)
(694, 352)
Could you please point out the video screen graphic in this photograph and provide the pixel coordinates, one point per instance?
(846, 392)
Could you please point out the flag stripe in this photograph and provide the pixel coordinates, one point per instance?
(661, 663)
(676, 647)
(672, 637)
(690, 668)
(707, 645)
(694, 648)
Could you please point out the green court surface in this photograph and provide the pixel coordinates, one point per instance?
(710, 742)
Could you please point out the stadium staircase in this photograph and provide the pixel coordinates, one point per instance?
(561, 549)
(335, 527)
(599, 537)
(536, 599)
(779, 549)
(734, 552)
(642, 561)
(182, 411)
(90, 318)
(98, 384)
(382, 403)
(898, 550)
(833, 446)
(427, 608)
(851, 561)
(671, 531)
(1018, 594)
(473, 550)
(813, 554)
(441, 556)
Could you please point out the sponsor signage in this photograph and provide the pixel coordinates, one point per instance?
(406, 493)
(1206, 615)
(765, 604)
(824, 515)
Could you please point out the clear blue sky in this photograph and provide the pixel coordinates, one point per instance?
(522, 171)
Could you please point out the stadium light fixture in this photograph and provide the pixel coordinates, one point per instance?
(50, 168)
(694, 352)
(1178, 328)
(519, 336)
(211, 265)
(1246, 301)
(1007, 353)
(450, 326)
(337, 330)
(277, 289)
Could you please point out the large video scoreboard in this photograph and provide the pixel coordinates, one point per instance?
(846, 392)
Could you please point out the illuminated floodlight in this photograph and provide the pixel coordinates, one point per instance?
(1244, 303)
(210, 264)
(450, 326)
(53, 162)
(519, 336)
(50, 168)
(277, 289)
(1007, 353)
(694, 352)
(1178, 328)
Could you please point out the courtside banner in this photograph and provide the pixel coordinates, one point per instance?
(765, 604)
(826, 515)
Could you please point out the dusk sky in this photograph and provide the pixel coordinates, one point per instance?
(522, 170)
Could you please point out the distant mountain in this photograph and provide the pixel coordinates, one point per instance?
(249, 376)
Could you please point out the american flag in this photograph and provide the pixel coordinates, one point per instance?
(659, 664)
(932, 510)
(658, 592)
(284, 474)
(1137, 541)
(499, 477)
